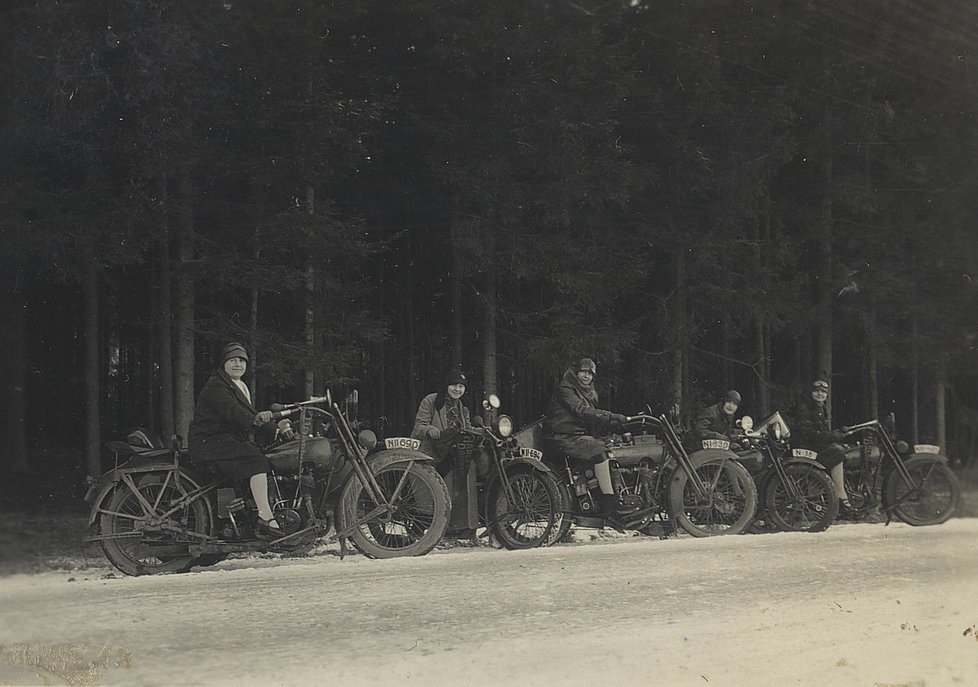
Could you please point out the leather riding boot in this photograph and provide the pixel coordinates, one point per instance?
(610, 505)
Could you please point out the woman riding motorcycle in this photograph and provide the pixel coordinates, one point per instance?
(223, 429)
(573, 419)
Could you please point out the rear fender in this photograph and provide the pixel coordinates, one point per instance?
(101, 490)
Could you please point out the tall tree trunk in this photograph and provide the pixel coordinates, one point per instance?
(14, 365)
(489, 353)
(164, 331)
(940, 405)
(309, 376)
(872, 364)
(823, 276)
(914, 382)
(679, 320)
(412, 360)
(457, 237)
(93, 436)
(253, 319)
(184, 311)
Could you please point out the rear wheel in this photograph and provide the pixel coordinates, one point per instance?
(804, 502)
(149, 530)
(930, 499)
(529, 519)
(727, 507)
(414, 523)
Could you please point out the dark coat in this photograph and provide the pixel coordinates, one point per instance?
(712, 423)
(573, 418)
(432, 412)
(812, 426)
(223, 426)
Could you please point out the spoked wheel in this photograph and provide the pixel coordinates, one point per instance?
(563, 523)
(416, 520)
(806, 503)
(149, 530)
(931, 499)
(529, 519)
(727, 507)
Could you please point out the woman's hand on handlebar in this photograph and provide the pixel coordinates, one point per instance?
(263, 417)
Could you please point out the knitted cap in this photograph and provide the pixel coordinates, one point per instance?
(587, 364)
(732, 395)
(233, 350)
(454, 377)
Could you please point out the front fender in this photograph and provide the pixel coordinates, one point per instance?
(804, 461)
(382, 459)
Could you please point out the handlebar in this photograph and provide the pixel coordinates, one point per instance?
(280, 411)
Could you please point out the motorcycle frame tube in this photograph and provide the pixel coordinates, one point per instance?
(682, 458)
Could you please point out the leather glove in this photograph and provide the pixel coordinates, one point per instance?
(618, 419)
(838, 437)
(434, 433)
(263, 417)
(285, 431)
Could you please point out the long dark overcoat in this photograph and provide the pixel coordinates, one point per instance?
(573, 419)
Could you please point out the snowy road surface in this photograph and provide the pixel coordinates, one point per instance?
(856, 605)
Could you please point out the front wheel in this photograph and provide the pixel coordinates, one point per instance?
(728, 504)
(562, 525)
(148, 530)
(805, 501)
(528, 519)
(930, 498)
(413, 522)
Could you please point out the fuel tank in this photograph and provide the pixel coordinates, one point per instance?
(316, 450)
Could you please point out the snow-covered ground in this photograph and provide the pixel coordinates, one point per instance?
(856, 605)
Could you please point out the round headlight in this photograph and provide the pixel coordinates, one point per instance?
(505, 425)
(747, 423)
(367, 439)
(902, 447)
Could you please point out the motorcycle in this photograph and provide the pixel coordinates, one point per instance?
(795, 493)
(705, 493)
(159, 511)
(912, 482)
(496, 484)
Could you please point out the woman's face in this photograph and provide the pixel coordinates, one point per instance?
(455, 391)
(820, 395)
(585, 377)
(235, 367)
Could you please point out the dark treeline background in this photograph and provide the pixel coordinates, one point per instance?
(699, 195)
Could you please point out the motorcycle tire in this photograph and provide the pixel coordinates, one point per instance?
(562, 526)
(420, 513)
(933, 501)
(136, 550)
(813, 510)
(208, 559)
(529, 522)
(731, 499)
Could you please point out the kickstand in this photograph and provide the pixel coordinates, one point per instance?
(342, 547)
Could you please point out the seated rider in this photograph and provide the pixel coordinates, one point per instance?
(813, 433)
(440, 412)
(715, 421)
(223, 430)
(440, 415)
(573, 419)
